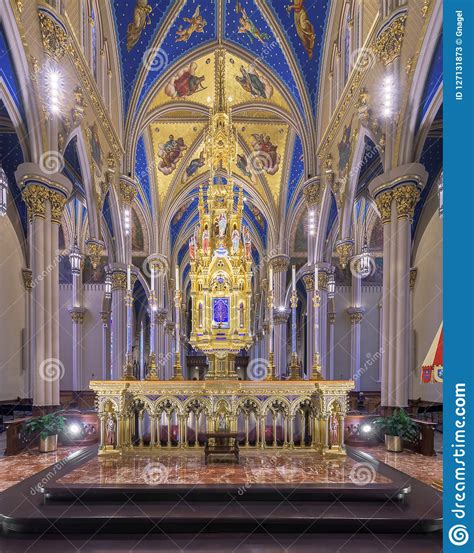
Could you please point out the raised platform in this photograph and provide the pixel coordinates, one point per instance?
(274, 491)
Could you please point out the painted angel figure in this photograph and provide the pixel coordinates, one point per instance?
(222, 224)
(141, 18)
(304, 27)
(235, 240)
(247, 243)
(196, 25)
(205, 240)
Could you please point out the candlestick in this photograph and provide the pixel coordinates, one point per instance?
(177, 277)
(293, 275)
(270, 278)
(316, 278)
(129, 278)
(152, 279)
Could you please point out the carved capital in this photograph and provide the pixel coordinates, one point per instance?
(280, 316)
(35, 197)
(128, 189)
(344, 251)
(384, 205)
(119, 280)
(308, 281)
(27, 275)
(58, 201)
(95, 250)
(355, 314)
(413, 275)
(280, 263)
(77, 314)
(311, 191)
(406, 197)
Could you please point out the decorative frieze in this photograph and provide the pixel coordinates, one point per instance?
(53, 35)
(388, 43)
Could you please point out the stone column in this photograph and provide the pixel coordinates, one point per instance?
(77, 316)
(355, 315)
(28, 376)
(119, 318)
(323, 316)
(331, 320)
(281, 312)
(106, 345)
(396, 194)
(45, 195)
(311, 190)
(308, 281)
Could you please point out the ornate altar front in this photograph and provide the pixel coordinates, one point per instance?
(140, 416)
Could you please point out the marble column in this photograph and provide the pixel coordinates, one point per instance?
(396, 194)
(45, 195)
(77, 316)
(308, 281)
(323, 316)
(28, 376)
(356, 312)
(106, 345)
(281, 312)
(331, 321)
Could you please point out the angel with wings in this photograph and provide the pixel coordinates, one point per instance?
(196, 25)
(141, 18)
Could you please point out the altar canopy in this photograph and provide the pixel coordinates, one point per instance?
(432, 368)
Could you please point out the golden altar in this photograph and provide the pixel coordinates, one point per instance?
(139, 416)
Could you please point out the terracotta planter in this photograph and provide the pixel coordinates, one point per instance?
(393, 443)
(48, 444)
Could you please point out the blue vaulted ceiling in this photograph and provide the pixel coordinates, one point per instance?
(244, 24)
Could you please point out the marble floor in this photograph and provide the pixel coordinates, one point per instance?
(255, 467)
(16, 468)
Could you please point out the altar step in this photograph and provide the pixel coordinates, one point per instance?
(259, 508)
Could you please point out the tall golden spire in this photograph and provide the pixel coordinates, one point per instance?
(220, 146)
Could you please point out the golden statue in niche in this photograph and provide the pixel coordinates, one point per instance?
(220, 249)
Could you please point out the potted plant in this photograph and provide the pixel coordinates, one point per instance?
(48, 427)
(397, 428)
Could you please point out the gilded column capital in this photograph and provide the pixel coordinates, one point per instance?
(35, 197)
(77, 314)
(128, 189)
(384, 205)
(406, 197)
(308, 281)
(355, 314)
(280, 263)
(53, 34)
(105, 317)
(58, 201)
(322, 280)
(27, 275)
(95, 249)
(344, 250)
(413, 275)
(311, 190)
(119, 280)
(280, 316)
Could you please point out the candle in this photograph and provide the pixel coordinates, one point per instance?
(316, 278)
(270, 278)
(177, 278)
(152, 279)
(129, 278)
(293, 274)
